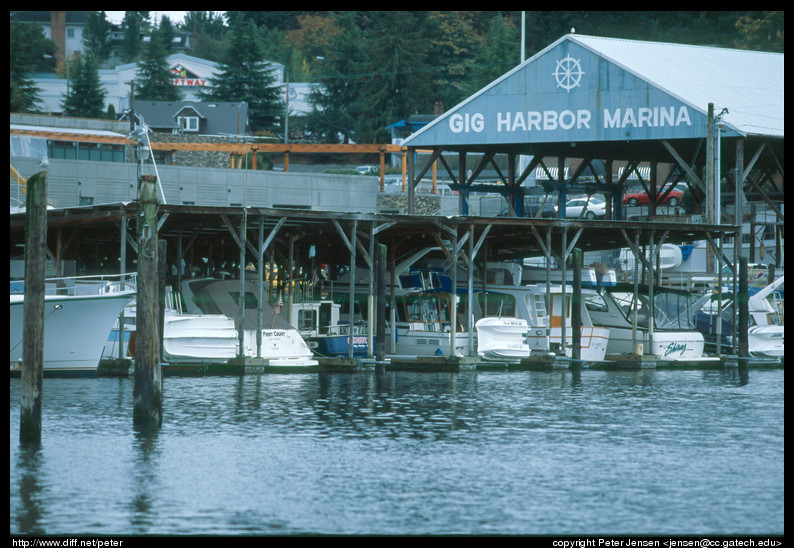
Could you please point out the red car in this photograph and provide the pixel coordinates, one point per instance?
(672, 199)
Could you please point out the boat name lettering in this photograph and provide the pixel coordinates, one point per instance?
(359, 340)
(581, 119)
(274, 333)
(675, 347)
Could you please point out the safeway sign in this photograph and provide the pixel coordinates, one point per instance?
(180, 76)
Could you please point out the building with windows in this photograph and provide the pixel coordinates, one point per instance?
(192, 118)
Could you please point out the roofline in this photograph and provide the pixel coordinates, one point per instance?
(406, 141)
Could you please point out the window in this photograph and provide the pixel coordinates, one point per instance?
(189, 123)
(307, 319)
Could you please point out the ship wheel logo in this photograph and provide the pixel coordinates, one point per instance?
(568, 73)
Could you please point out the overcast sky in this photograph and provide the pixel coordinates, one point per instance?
(116, 17)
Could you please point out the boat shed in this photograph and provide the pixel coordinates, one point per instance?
(586, 99)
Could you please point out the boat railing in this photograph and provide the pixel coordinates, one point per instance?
(100, 284)
(343, 329)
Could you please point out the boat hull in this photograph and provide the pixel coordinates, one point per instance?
(337, 346)
(502, 339)
(419, 342)
(667, 345)
(766, 341)
(213, 338)
(594, 341)
(76, 329)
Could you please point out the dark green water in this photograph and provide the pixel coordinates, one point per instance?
(394, 453)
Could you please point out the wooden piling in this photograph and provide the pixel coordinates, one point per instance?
(380, 334)
(576, 309)
(147, 391)
(33, 316)
(743, 299)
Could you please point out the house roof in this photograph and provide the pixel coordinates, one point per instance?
(221, 118)
(591, 89)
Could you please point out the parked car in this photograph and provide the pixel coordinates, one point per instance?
(641, 198)
(533, 204)
(596, 207)
(368, 170)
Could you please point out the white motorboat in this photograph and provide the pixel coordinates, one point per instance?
(424, 328)
(79, 314)
(544, 322)
(765, 339)
(502, 339)
(668, 332)
(207, 332)
(320, 325)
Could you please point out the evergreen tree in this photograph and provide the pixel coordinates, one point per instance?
(167, 34)
(331, 116)
(244, 76)
(153, 79)
(207, 32)
(133, 23)
(501, 53)
(86, 96)
(453, 44)
(397, 82)
(30, 52)
(96, 37)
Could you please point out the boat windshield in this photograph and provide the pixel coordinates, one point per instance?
(672, 310)
(497, 304)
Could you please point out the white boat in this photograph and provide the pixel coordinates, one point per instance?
(669, 333)
(424, 329)
(79, 313)
(544, 323)
(321, 326)
(502, 339)
(765, 339)
(207, 332)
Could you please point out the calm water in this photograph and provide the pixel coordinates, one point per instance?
(393, 453)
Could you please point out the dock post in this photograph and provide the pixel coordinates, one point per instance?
(576, 309)
(380, 334)
(744, 313)
(147, 391)
(33, 322)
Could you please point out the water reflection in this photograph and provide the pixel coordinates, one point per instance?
(145, 475)
(30, 488)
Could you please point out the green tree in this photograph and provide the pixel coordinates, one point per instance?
(244, 76)
(500, 53)
(153, 79)
(207, 34)
(86, 96)
(134, 24)
(763, 32)
(96, 37)
(396, 75)
(453, 43)
(167, 33)
(331, 117)
(30, 51)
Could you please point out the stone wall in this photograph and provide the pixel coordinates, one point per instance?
(424, 204)
(194, 158)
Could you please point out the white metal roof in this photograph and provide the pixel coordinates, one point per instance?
(748, 83)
